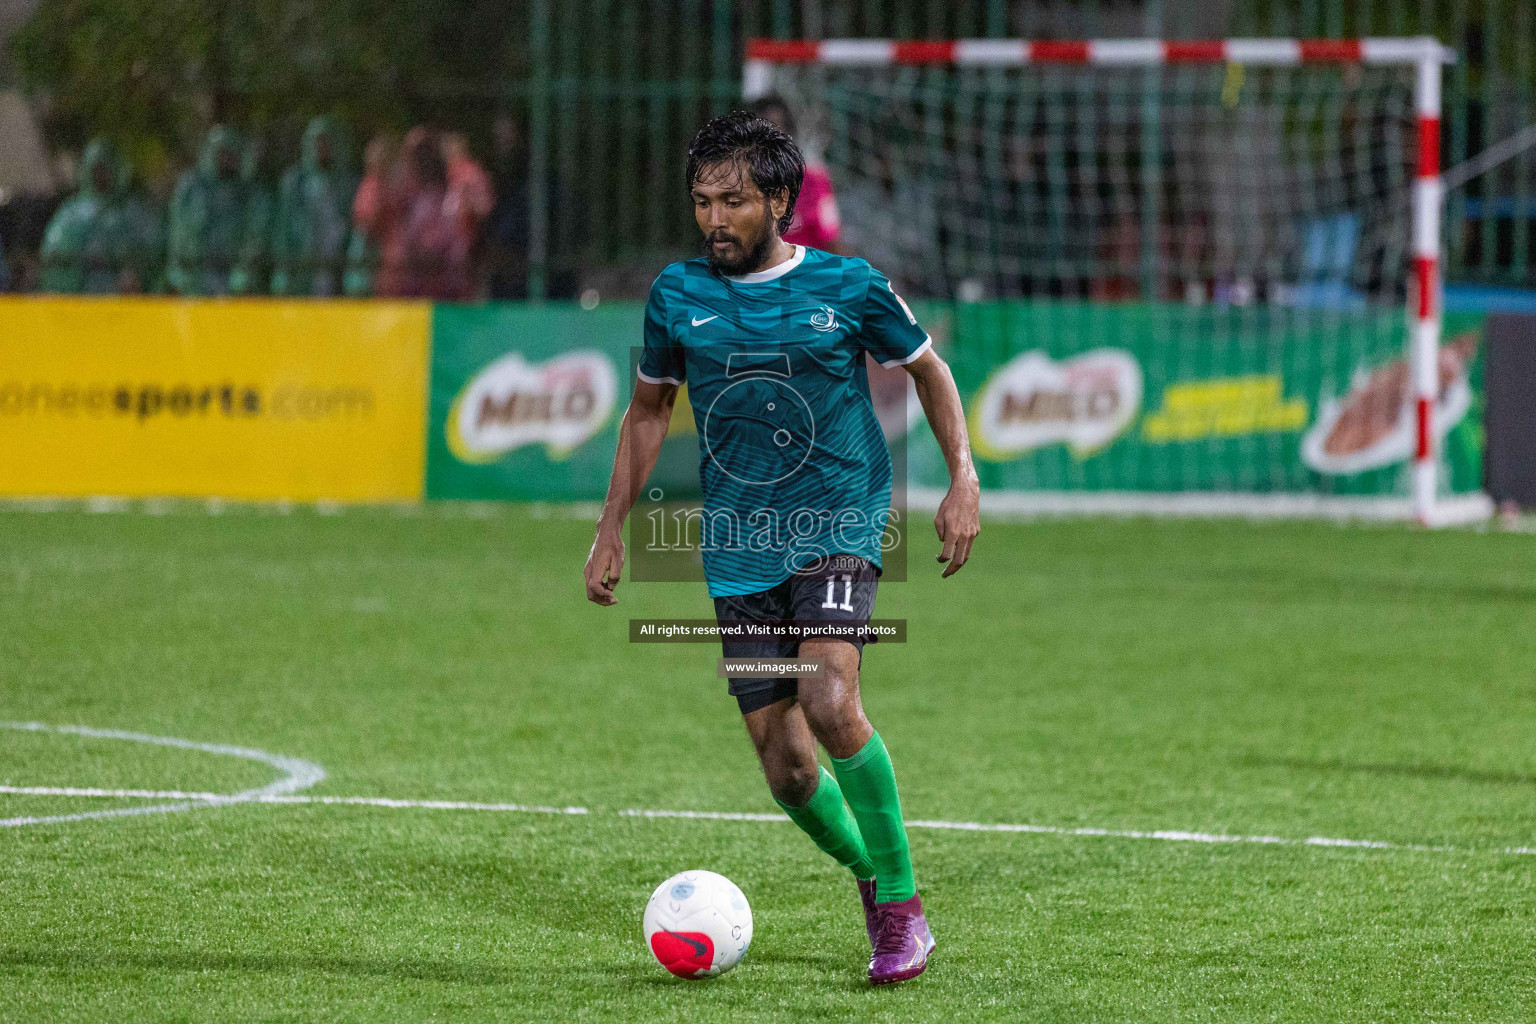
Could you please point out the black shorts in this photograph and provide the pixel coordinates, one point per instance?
(840, 590)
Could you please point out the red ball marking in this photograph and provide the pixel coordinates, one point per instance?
(683, 953)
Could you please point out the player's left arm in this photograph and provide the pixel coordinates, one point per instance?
(891, 334)
(959, 518)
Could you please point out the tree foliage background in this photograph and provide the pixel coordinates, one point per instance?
(155, 74)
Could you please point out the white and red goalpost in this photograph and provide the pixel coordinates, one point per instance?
(772, 63)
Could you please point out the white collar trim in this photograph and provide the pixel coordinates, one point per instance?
(771, 273)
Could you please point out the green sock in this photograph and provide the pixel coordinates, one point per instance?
(869, 782)
(826, 820)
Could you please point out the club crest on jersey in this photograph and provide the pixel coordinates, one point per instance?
(825, 319)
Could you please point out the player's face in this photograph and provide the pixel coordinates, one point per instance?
(739, 222)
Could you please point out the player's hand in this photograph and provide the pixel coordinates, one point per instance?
(604, 565)
(958, 523)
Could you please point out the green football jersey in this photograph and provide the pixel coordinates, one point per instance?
(792, 460)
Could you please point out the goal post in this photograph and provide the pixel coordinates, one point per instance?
(1183, 275)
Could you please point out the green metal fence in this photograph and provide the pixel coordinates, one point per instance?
(609, 91)
(615, 87)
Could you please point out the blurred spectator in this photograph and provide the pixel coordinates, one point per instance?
(893, 221)
(5, 270)
(507, 233)
(379, 161)
(210, 214)
(251, 273)
(470, 196)
(423, 244)
(24, 219)
(104, 239)
(816, 222)
(314, 214)
(1119, 257)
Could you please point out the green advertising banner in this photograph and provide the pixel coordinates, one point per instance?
(526, 402)
(1061, 396)
(1066, 396)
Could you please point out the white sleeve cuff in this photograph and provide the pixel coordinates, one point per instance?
(657, 380)
(892, 364)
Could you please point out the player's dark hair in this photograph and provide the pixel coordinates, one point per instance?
(770, 156)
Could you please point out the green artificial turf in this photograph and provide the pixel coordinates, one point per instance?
(1279, 680)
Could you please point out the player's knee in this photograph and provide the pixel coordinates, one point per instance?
(791, 777)
(794, 784)
(838, 719)
(840, 729)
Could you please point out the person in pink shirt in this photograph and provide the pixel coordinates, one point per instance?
(470, 195)
(422, 241)
(816, 222)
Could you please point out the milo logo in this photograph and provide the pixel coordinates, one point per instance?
(512, 403)
(1033, 401)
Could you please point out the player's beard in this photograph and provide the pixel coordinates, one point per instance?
(753, 254)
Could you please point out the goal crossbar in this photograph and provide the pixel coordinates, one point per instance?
(1423, 53)
(1012, 52)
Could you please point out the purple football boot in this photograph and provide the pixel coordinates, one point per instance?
(902, 943)
(871, 915)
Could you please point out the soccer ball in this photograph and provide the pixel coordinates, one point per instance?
(698, 924)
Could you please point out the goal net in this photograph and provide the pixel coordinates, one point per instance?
(1173, 276)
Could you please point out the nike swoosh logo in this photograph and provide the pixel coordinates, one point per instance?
(698, 947)
(706, 319)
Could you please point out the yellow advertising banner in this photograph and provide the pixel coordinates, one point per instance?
(245, 399)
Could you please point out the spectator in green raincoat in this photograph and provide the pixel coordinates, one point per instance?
(104, 239)
(255, 266)
(211, 214)
(314, 216)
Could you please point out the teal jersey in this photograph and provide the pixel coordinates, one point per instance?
(792, 460)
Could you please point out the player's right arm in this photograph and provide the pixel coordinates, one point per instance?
(640, 437)
(644, 428)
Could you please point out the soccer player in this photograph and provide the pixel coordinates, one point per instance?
(771, 339)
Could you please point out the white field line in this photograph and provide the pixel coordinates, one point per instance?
(429, 805)
(297, 774)
(284, 798)
(703, 815)
(1162, 835)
